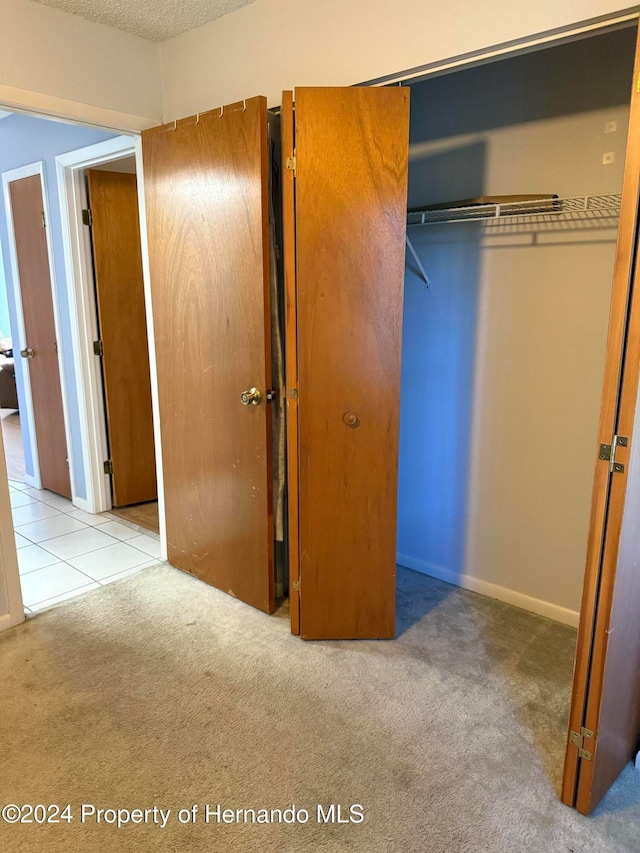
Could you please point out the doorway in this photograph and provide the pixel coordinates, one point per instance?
(517, 204)
(98, 189)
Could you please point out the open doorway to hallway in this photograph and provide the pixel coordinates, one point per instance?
(66, 547)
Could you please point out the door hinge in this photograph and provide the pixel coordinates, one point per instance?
(98, 348)
(296, 586)
(108, 467)
(578, 738)
(55, 346)
(87, 217)
(291, 163)
(44, 221)
(608, 453)
(293, 393)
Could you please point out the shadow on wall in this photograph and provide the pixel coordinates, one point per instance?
(439, 334)
(571, 78)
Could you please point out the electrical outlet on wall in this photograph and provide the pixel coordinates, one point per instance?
(608, 158)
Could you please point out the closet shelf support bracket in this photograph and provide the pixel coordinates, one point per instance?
(415, 257)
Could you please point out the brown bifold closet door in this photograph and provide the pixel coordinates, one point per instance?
(206, 193)
(117, 261)
(40, 347)
(351, 154)
(604, 724)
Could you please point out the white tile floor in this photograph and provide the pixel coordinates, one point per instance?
(64, 552)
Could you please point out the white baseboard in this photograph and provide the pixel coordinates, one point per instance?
(492, 590)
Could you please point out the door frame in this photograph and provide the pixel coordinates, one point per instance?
(81, 296)
(10, 586)
(32, 170)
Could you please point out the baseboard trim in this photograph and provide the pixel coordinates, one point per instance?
(501, 593)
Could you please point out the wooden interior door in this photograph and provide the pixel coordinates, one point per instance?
(351, 150)
(27, 210)
(117, 260)
(206, 193)
(604, 724)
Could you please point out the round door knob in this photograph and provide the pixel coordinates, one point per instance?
(351, 420)
(252, 397)
(27, 353)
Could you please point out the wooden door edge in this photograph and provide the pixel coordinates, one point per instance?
(291, 353)
(266, 268)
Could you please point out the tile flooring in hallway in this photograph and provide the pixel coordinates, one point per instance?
(64, 551)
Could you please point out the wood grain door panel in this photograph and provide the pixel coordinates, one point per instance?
(117, 257)
(206, 191)
(351, 200)
(37, 306)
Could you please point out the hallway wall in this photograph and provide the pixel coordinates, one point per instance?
(25, 140)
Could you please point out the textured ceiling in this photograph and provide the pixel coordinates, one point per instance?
(156, 20)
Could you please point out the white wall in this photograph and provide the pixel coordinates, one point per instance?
(61, 56)
(273, 45)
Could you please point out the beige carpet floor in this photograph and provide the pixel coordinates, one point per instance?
(161, 691)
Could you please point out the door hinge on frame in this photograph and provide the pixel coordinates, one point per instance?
(98, 348)
(608, 453)
(291, 163)
(108, 467)
(296, 586)
(87, 217)
(44, 220)
(578, 738)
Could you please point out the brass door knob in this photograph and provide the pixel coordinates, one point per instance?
(27, 353)
(252, 397)
(351, 420)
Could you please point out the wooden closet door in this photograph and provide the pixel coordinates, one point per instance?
(604, 723)
(206, 192)
(117, 261)
(351, 204)
(27, 210)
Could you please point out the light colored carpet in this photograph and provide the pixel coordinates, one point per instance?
(159, 690)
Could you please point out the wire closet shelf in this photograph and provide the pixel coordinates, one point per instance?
(550, 213)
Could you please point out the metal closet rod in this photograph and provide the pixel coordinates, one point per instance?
(587, 207)
(545, 212)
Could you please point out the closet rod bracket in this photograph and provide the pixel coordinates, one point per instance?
(419, 264)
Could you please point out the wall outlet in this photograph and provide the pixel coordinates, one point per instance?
(608, 158)
(611, 126)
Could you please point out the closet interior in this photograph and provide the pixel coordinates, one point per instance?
(515, 174)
